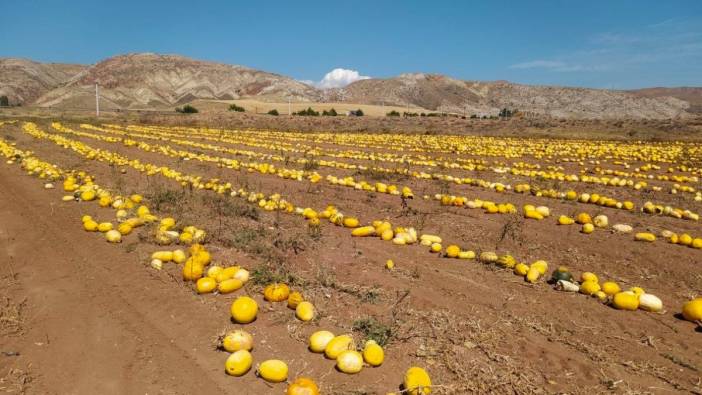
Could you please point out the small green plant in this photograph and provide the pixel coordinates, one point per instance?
(236, 108)
(330, 113)
(187, 109)
(372, 329)
(393, 113)
(273, 112)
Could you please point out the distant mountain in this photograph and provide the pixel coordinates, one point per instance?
(23, 81)
(146, 80)
(152, 81)
(441, 93)
(688, 94)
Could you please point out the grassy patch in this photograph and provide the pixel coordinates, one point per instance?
(11, 316)
(225, 206)
(372, 329)
(166, 199)
(267, 274)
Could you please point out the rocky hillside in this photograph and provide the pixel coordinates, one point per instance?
(691, 95)
(441, 93)
(156, 81)
(23, 81)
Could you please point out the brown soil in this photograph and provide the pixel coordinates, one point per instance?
(82, 316)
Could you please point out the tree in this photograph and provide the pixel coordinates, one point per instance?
(359, 113)
(273, 112)
(330, 113)
(393, 113)
(236, 108)
(505, 113)
(187, 109)
(309, 112)
(4, 101)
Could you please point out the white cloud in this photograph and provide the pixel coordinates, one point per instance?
(337, 78)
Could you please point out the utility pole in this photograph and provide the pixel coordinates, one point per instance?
(97, 100)
(289, 105)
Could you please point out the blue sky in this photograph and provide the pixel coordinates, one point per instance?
(600, 44)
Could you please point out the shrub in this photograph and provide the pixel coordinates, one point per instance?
(359, 113)
(273, 112)
(4, 101)
(393, 113)
(236, 108)
(330, 113)
(187, 109)
(309, 112)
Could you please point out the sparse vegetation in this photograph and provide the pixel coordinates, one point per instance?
(273, 112)
(330, 113)
(506, 113)
(4, 101)
(236, 108)
(393, 113)
(309, 112)
(372, 329)
(187, 109)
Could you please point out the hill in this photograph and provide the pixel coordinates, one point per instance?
(441, 93)
(153, 81)
(692, 95)
(23, 80)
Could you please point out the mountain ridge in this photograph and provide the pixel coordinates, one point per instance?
(148, 80)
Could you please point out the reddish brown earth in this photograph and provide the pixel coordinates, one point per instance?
(95, 318)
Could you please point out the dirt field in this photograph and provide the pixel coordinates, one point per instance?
(80, 315)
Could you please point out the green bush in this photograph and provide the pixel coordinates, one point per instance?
(4, 101)
(236, 108)
(359, 113)
(273, 112)
(330, 113)
(393, 113)
(309, 112)
(187, 109)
